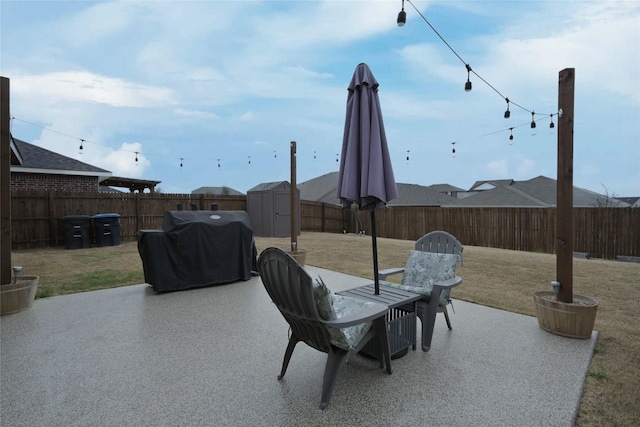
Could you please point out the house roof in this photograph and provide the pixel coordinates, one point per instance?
(268, 186)
(492, 182)
(633, 201)
(445, 188)
(33, 159)
(536, 192)
(320, 189)
(324, 189)
(218, 191)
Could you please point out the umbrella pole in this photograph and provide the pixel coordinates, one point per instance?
(374, 244)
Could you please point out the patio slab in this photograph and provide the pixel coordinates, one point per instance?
(210, 356)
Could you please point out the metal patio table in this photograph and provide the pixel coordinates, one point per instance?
(401, 318)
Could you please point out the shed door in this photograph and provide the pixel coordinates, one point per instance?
(282, 214)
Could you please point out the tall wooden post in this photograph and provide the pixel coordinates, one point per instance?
(564, 210)
(5, 184)
(294, 205)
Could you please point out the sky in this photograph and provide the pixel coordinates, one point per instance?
(211, 93)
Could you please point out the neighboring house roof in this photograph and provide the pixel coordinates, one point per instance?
(217, 190)
(320, 189)
(268, 186)
(419, 195)
(107, 189)
(633, 201)
(445, 188)
(537, 192)
(324, 189)
(489, 184)
(33, 159)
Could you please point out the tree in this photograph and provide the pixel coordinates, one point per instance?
(607, 200)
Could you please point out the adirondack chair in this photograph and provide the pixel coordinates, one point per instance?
(436, 290)
(332, 324)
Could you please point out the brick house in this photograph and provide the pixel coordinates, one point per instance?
(36, 169)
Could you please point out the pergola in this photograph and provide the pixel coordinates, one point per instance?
(132, 184)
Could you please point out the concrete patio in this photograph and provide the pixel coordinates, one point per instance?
(210, 356)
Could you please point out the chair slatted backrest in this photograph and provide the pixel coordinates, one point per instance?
(439, 242)
(291, 290)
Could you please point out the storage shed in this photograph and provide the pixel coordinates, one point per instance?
(269, 209)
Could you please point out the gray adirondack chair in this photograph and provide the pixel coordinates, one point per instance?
(292, 290)
(439, 242)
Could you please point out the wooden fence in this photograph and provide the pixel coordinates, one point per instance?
(37, 221)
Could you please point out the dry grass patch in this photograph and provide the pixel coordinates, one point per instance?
(494, 277)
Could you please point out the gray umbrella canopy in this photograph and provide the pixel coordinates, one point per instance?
(366, 175)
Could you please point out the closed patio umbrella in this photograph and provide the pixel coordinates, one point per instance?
(366, 175)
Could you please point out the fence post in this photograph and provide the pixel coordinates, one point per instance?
(53, 230)
(138, 219)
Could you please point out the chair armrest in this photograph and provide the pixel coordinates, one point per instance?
(448, 284)
(369, 313)
(383, 274)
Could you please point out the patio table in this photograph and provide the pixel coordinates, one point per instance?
(401, 318)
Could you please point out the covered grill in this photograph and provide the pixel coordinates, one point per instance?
(197, 248)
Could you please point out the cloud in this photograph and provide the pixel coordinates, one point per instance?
(497, 168)
(122, 162)
(82, 86)
(525, 168)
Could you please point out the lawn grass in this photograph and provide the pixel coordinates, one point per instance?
(497, 278)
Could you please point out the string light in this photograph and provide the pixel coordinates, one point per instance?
(453, 149)
(181, 159)
(314, 155)
(511, 136)
(407, 156)
(83, 140)
(136, 158)
(275, 156)
(337, 157)
(218, 163)
(551, 125)
(249, 159)
(467, 85)
(402, 16)
(533, 120)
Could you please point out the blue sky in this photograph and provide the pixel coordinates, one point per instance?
(238, 80)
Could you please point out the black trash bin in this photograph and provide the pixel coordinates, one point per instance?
(107, 229)
(77, 231)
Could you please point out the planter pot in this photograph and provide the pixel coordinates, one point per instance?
(574, 320)
(18, 296)
(300, 256)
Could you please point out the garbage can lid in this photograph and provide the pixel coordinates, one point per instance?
(107, 215)
(71, 217)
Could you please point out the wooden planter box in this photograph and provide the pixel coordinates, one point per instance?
(18, 296)
(573, 320)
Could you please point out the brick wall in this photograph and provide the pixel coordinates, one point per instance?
(43, 182)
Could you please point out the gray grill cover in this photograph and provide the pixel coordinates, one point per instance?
(197, 248)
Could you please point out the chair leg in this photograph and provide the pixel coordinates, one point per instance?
(287, 355)
(335, 360)
(429, 319)
(380, 325)
(446, 316)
